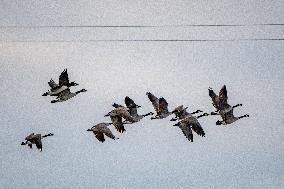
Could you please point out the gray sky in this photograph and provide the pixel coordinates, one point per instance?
(152, 153)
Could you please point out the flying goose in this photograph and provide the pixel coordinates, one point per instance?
(132, 109)
(160, 105)
(66, 95)
(63, 84)
(223, 109)
(189, 123)
(181, 113)
(100, 129)
(116, 116)
(35, 139)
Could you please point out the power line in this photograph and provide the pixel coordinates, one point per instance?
(141, 26)
(142, 40)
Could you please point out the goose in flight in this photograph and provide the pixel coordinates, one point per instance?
(190, 123)
(102, 129)
(116, 116)
(132, 109)
(223, 109)
(66, 95)
(61, 86)
(160, 105)
(181, 113)
(35, 139)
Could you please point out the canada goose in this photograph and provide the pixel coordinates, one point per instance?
(189, 123)
(116, 116)
(63, 84)
(66, 95)
(100, 129)
(223, 109)
(160, 105)
(221, 102)
(181, 113)
(35, 139)
(132, 109)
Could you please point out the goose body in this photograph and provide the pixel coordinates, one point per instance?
(228, 117)
(102, 129)
(63, 84)
(66, 95)
(35, 139)
(160, 105)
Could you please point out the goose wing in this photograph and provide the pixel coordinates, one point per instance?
(99, 136)
(129, 102)
(108, 133)
(131, 105)
(117, 122)
(163, 106)
(215, 98)
(223, 95)
(52, 84)
(186, 130)
(63, 78)
(126, 115)
(154, 100)
(196, 127)
(37, 140)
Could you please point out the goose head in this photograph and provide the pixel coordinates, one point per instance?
(89, 130)
(73, 84)
(218, 122)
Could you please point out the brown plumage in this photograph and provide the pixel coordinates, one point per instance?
(100, 130)
(35, 139)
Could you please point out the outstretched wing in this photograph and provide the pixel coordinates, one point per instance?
(223, 95)
(63, 78)
(163, 106)
(154, 100)
(196, 127)
(99, 136)
(187, 132)
(215, 98)
(117, 122)
(129, 102)
(37, 140)
(52, 84)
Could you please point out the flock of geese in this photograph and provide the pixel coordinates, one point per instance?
(128, 113)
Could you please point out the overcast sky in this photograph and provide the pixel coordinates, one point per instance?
(151, 153)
